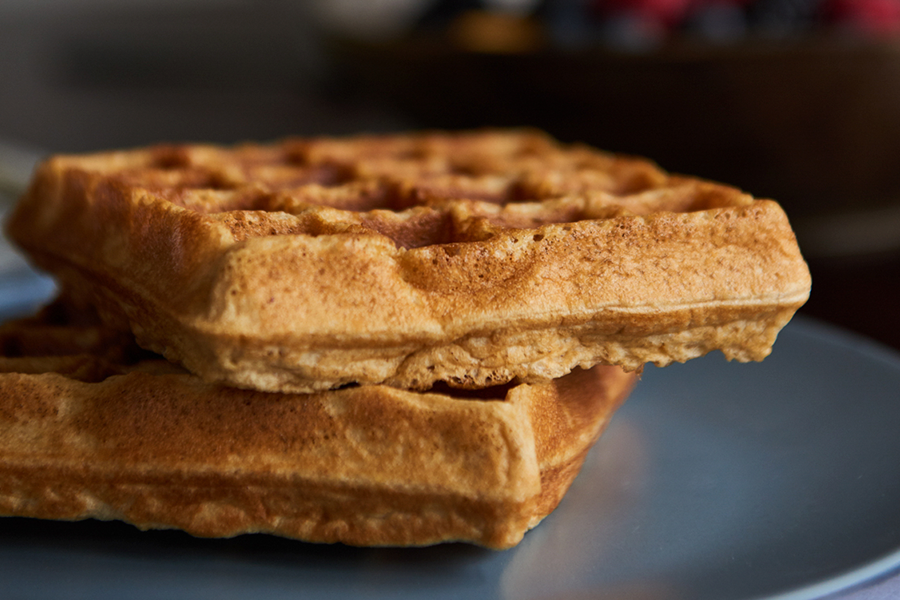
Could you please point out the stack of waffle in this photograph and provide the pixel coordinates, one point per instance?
(385, 340)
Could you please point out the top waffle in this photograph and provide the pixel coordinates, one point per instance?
(471, 258)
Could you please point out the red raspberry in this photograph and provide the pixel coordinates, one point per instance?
(870, 16)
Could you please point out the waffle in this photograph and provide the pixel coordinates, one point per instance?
(91, 426)
(471, 258)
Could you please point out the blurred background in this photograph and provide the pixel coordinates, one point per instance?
(798, 100)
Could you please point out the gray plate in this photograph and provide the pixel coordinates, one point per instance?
(716, 481)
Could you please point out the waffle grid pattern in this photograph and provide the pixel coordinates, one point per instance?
(418, 190)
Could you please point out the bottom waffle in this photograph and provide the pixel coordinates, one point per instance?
(92, 427)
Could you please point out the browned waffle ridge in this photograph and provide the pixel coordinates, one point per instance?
(472, 258)
(86, 433)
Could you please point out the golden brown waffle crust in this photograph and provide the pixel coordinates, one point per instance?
(86, 435)
(472, 258)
